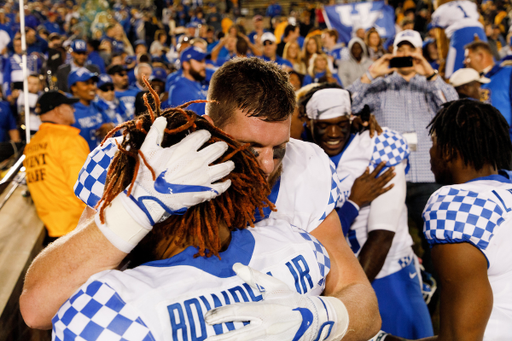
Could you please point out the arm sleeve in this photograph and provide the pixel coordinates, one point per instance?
(385, 210)
(369, 94)
(98, 312)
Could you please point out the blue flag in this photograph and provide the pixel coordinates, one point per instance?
(345, 18)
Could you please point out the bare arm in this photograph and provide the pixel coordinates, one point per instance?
(374, 252)
(466, 295)
(347, 281)
(217, 48)
(60, 269)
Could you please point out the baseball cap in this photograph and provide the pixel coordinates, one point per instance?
(130, 59)
(103, 80)
(81, 75)
(465, 76)
(268, 36)
(192, 53)
(116, 69)
(51, 100)
(158, 74)
(78, 46)
(192, 25)
(139, 42)
(329, 103)
(410, 36)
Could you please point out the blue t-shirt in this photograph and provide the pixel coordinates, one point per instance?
(7, 121)
(89, 119)
(279, 61)
(128, 98)
(95, 59)
(185, 90)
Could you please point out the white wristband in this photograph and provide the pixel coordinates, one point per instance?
(120, 228)
(335, 311)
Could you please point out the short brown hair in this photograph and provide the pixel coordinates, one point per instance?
(258, 88)
(332, 33)
(478, 46)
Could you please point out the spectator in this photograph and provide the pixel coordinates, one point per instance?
(318, 71)
(188, 87)
(107, 100)
(494, 40)
(121, 87)
(459, 22)
(93, 56)
(8, 127)
(157, 81)
(293, 54)
(255, 36)
(140, 47)
(498, 91)
(214, 18)
(273, 9)
(296, 80)
(78, 51)
(311, 46)
(92, 120)
(431, 53)
(269, 52)
(142, 69)
(333, 49)
(406, 101)
(34, 88)
(358, 63)
(228, 43)
(51, 25)
(159, 45)
(291, 33)
(467, 83)
(34, 42)
(54, 157)
(374, 44)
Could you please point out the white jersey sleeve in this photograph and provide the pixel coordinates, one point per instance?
(93, 175)
(456, 214)
(389, 147)
(309, 186)
(98, 310)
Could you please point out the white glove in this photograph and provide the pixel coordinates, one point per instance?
(283, 314)
(183, 179)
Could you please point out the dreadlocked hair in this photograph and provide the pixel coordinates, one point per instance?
(475, 131)
(199, 226)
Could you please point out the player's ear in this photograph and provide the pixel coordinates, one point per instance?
(209, 119)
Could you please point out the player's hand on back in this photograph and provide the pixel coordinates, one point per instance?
(369, 186)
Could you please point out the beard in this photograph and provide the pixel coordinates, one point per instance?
(272, 179)
(196, 75)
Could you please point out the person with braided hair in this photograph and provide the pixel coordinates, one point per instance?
(304, 189)
(187, 264)
(468, 222)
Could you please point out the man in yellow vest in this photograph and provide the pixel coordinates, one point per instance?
(54, 157)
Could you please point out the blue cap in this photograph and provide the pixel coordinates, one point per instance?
(81, 75)
(139, 42)
(158, 74)
(117, 46)
(79, 46)
(192, 24)
(104, 79)
(192, 53)
(130, 59)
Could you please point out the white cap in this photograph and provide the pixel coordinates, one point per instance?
(329, 103)
(465, 76)
(410, 36)
(268, 36)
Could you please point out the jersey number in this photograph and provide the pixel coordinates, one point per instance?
(464, 12)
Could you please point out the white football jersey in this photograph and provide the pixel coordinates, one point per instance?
(364, 151)
(167, 299)
(305, 194)
(455, 15)
(479, 212)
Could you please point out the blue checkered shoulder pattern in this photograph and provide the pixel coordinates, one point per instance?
(336, 198)
(322, 257)
(391, 147)
(98, 313)
(93, 175)
(456, 215)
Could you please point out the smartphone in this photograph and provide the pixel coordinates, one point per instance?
(17, 86)
(400, 62)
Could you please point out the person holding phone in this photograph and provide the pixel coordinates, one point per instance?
(405, 98)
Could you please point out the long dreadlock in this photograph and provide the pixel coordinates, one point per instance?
(199, 226)
(475, 131)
